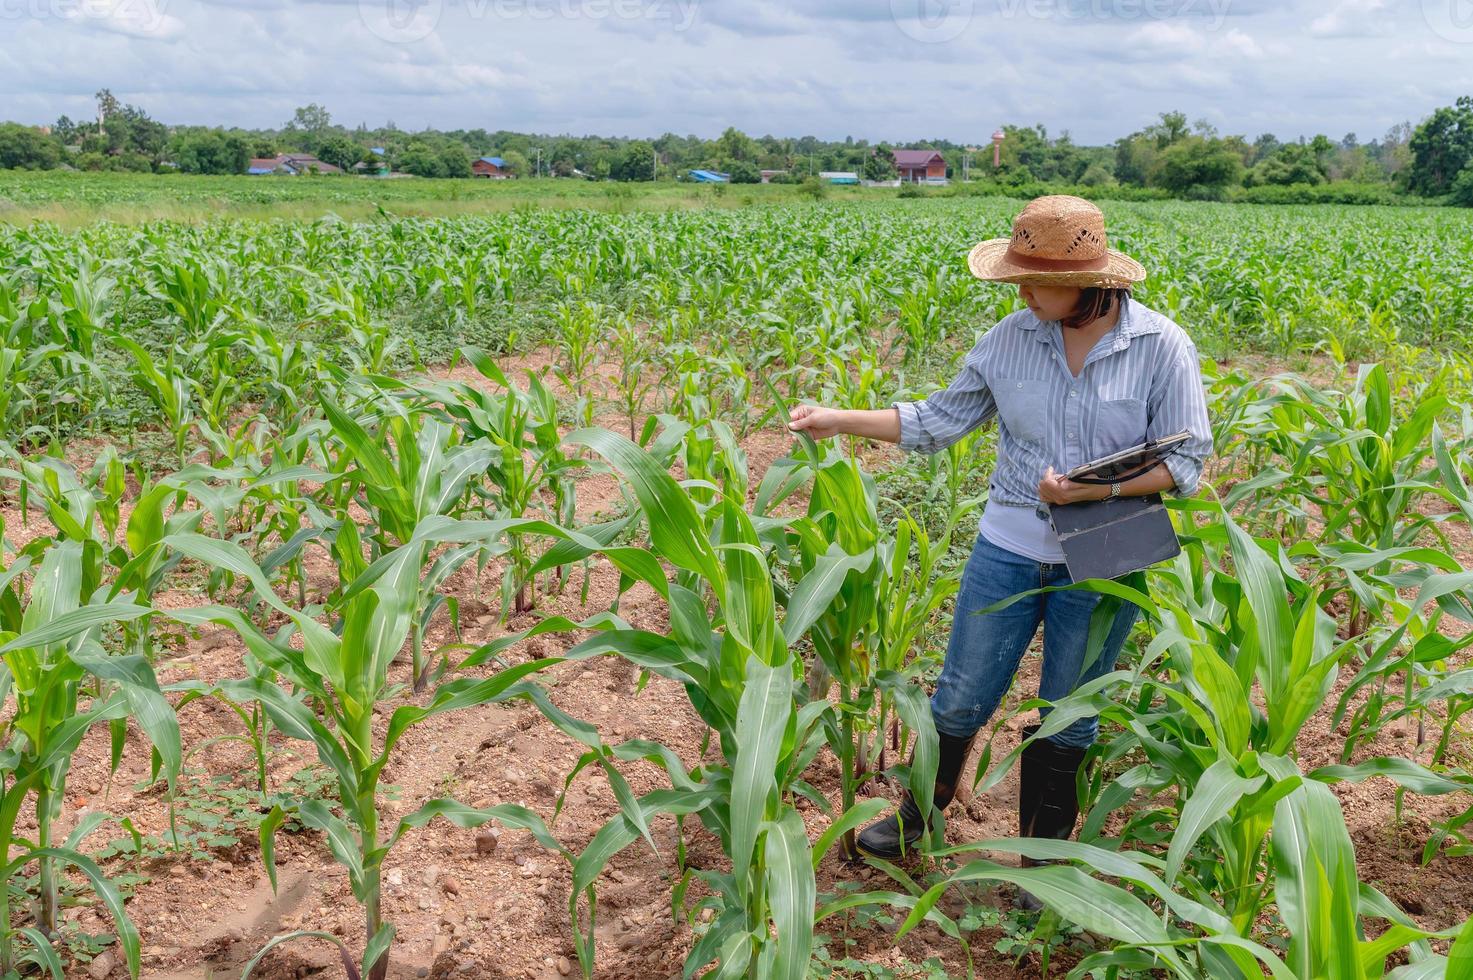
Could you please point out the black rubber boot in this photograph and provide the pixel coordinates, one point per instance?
(1048, 803)
(894, 835)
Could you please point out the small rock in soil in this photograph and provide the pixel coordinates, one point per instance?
(564, 967)
(441, 945)
(486, 841)
(451, 886)
(102, 965)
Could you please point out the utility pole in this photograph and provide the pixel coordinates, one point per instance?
(539, 161)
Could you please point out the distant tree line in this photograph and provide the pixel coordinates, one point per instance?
(1433, 159)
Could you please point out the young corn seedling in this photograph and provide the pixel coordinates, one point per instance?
(409, 470)
(527, 474)
(53, 664)
(731, 650)
(341, 672)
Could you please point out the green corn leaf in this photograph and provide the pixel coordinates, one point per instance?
(378, 946)
(762, 719)
(815, 591)
(1089, 903)
(102, 887)
(70, 624)
(674, 526)
(44, 952)
(341, 840)
(1213, 798)
(791, 894)
(266, 833)
(350, 969)
(1264, 591)
(856, 816)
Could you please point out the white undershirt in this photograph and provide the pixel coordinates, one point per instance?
(1019, 530)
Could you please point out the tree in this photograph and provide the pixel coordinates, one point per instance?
(1265, 146)
(1295, 163)
(1135, 159)
(518, 166)
(107, 106)
(419, 158)
(455, 160)
(209, 152)
(24, 148)
(744, 172)
(340, 151)
(1194, 165)
(737, 145)
(1441, 148)
(1172, 129)
(879, 165)
(1462, 192)
(64, 130)
(311, 118)
(636, 162)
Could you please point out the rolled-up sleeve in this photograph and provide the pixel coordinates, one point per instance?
(1179, 404)
(931, 425)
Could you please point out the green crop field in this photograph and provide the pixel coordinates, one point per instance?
(460, 540)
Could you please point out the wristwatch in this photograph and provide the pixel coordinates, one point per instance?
(1114, 490)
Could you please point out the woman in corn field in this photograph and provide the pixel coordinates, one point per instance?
(1084, 371)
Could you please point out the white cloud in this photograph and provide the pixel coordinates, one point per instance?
(1354, 18)
(1167, 38)
(1242, 44)
(788, 67)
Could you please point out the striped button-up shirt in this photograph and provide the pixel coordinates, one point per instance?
(1141, 381)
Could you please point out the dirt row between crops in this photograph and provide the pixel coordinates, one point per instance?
(462, 911)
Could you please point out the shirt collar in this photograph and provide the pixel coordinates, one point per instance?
(1135, 321)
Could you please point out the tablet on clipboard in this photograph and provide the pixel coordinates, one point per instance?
(1114, 537)
(1128, 463)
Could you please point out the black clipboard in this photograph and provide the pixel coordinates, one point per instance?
(1114, 537)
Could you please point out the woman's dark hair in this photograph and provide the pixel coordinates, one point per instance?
(1094, 302)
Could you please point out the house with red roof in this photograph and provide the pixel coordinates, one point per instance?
(920, 166)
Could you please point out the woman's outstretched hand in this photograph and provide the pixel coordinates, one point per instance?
(817, 421)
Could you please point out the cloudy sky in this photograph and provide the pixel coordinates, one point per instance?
(880, 69)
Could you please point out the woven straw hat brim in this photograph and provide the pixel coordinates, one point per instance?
(990, 260)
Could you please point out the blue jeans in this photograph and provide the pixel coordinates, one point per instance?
(984, 651)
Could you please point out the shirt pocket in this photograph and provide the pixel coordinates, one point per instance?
(1023, 406)
(1120, 424)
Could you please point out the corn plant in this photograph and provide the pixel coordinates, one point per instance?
(410, 469)
(526, 472)
(732, 651)
(1247, 831)
(53, 660)
(341, 672)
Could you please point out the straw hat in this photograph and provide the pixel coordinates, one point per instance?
(1057, 241)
